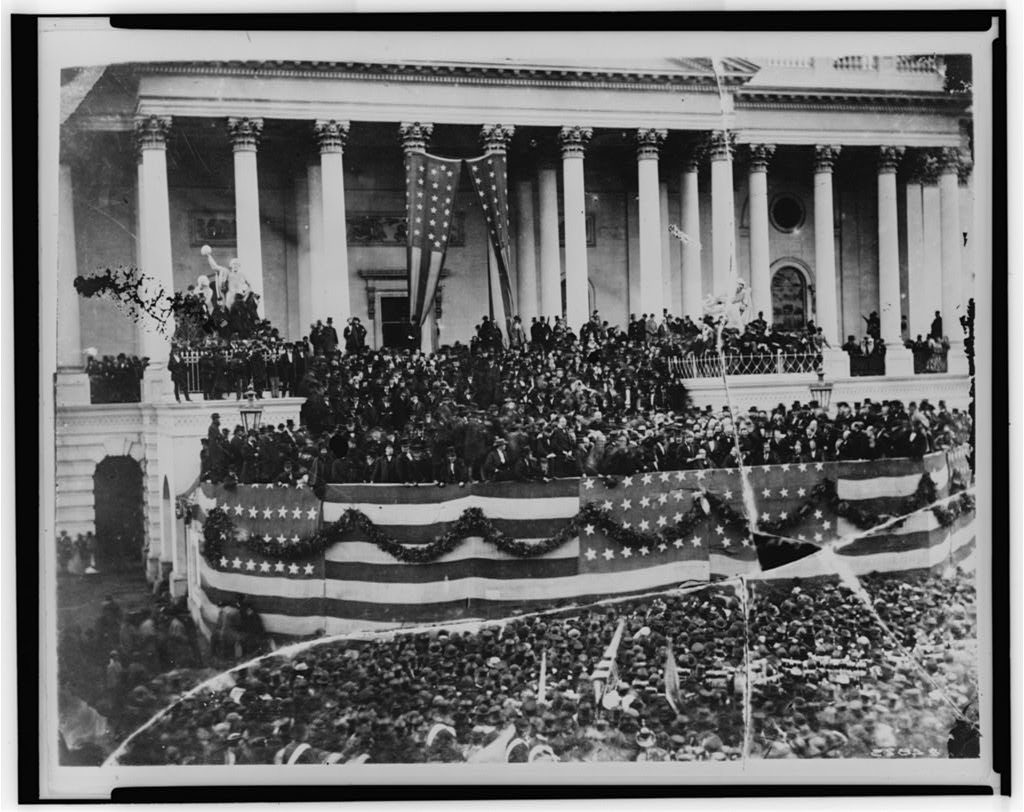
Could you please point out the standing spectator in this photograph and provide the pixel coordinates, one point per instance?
(179, 373)
(329, 337)
(936, 328)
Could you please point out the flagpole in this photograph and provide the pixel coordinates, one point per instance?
(747, 689)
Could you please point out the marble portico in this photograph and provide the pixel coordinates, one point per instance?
(736, 143)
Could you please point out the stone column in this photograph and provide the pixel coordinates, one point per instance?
(550, 252)
(898, 359)
(573, 141)
(670, 283)
(918, 316)
(317, 260)
(690, 208)
(414, 136)
(245, 136)
(931, 216)
(495, 138)
(835, 360)
(526, 254)
(335, 302)
(648, 144)
(72, 382)
(723, 213)
(304, 280)
(953, 302)
(760, 256)
(155, 250)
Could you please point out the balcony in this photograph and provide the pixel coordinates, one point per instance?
(709, 364)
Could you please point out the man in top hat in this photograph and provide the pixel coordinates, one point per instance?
(497, 466)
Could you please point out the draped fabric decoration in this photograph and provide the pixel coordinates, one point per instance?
(430, 190)
(489, 174)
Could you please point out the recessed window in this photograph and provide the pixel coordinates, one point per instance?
(787, 213)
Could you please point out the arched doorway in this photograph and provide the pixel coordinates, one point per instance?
(120, 521)
(789, 299)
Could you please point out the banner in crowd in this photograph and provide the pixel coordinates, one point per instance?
(367, 557)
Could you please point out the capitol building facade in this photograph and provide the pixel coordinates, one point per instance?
(837, 187)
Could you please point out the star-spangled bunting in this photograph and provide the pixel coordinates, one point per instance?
(431, 183)
(489, 174)
(274, 513)
(657, 501)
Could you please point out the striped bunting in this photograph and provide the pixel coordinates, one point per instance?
(354, 585)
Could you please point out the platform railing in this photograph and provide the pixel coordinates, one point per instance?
(709, 364)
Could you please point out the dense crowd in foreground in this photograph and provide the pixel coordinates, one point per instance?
(829, 683)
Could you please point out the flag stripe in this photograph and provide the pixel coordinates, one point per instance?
(519, 589)
(851, 489)
(418, 515)
(935, 556)
(888, 467)
(413, 535)
(488, 568)
(430, 494)
(364, 552)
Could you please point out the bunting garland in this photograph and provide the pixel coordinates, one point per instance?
(219, 527)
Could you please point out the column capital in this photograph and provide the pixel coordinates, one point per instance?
(825, 157)
(694, 155)
(888, 159)
(414, 135)
(496, 137)
(721, 144)
(760, 156)
(331, 135)
(964, 169)
(245, 133)
(949, 160)
(574, 140)
(924, 168)
(151, 132)
(648, 143)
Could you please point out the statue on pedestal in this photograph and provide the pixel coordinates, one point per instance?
(230, 282)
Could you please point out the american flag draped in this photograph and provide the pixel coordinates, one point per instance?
(430, 190)
(489, 174)
(354, 583)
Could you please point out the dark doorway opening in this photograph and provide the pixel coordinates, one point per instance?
(120, 521)
(394, 320)
(789, 300)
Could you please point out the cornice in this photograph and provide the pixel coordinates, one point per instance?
(837, 100)
(696, 81)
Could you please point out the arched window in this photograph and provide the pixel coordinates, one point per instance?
(789, 299)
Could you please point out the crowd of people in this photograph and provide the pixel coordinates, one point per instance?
(115, 380)
(115, 674)
(555, 408)
(826, 681)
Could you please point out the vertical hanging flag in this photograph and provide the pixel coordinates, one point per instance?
(489, 174)
(430, 191)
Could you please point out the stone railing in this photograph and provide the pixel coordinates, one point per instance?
(709, 364)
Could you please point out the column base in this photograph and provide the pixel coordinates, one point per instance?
(835, 363)
(899, 361)
(71, 388)
(179, 585)
(152, 569)
(156, 385)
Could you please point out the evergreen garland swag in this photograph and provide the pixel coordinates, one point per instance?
(219, 527)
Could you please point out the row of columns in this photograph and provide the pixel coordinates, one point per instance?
(539, 278)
